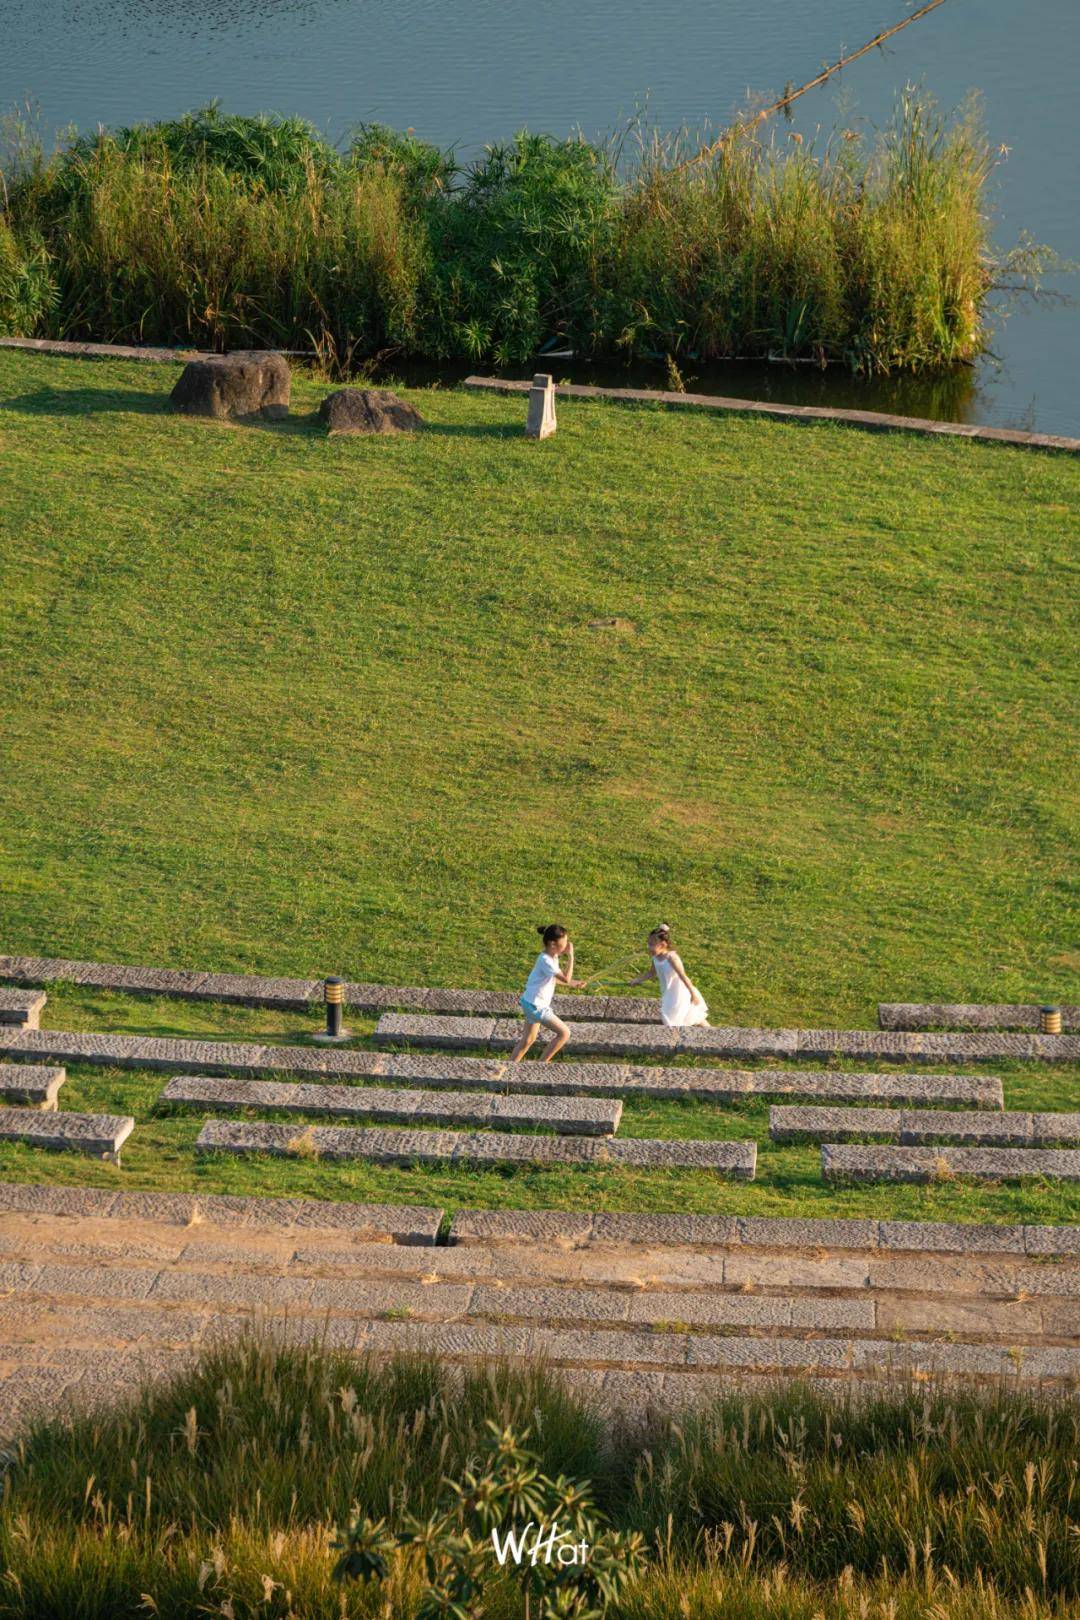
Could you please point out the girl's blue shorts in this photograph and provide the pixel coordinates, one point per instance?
(533, 1013)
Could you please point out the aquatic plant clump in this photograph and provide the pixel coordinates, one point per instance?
(224, 231)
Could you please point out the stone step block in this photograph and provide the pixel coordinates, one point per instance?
(736, 1159)
(917, 1164)
(31, 1083)
(911, 1128)
(969, 1015)
(101, 1135)
(571, 1116)
(463, 1034)
(541, 1079)
(22, 1008)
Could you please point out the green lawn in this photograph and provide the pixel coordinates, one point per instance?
(278, 704)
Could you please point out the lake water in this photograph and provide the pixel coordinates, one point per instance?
(473, 72)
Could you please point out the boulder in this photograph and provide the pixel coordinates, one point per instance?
(250, 382)
(367, 410)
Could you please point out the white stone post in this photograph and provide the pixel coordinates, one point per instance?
(541, 419)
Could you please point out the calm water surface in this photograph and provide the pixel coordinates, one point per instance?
(473, 72)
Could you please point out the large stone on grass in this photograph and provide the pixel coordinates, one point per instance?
(241, 385)
(368, 410)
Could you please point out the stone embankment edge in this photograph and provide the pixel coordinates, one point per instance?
(126, 351)
(877, 421)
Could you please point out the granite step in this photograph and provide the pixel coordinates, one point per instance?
(300, 995)
(102, 1135)
(735, 1159)
(431, 1069)
(917, 1164)
(756, 1233)
(914, 1128)
(616, 1040)
(915, 1015)
(567, 1116)
(22, 1007)
(31, 1083)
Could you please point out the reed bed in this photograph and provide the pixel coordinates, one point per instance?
(870, 252)
(223, 1491)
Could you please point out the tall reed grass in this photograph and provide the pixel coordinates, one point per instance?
(227, 231)
(221, 1493)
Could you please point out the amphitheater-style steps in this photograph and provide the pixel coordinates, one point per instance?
(634, 1040)
(561, 1078)
(34, 1084)
(566, 1116)
(241, 1137)
(969, 1015)
(101, 1287)
(840, 1162)
(924, 1126)
(100, 1135)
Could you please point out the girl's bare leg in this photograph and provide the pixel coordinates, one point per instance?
(531, 1032)
(562, 1035)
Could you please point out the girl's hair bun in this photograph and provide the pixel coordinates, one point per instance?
(542, 930)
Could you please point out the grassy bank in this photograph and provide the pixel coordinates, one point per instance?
(220, 231)
(782, 1506)
(160, 1154)
(291, 705)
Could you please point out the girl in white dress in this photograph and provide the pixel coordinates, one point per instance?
(681, 1003)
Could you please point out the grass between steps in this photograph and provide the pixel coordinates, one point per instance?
(160, 1153)
(777, 1506)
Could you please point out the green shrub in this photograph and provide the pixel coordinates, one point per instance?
(27, 288)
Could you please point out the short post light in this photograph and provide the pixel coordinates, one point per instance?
(334, 997)
(1050, 1020)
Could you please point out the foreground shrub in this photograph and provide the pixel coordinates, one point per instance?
(222, 1493)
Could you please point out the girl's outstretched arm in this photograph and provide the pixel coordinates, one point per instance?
(643, 978)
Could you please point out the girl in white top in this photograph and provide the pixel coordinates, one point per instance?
(539, 993)
(681, 1003)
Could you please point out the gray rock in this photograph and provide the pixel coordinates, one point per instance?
(367, 410)
(244, 384)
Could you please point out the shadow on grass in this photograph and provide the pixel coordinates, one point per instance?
(86, 402)
(486, 430)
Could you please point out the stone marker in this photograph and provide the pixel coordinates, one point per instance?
(22, 1007)
(99, 1134)
(736, 1159)
(566, 1116)
(839, 1163)
(30, 1083)
(540, 423)
(249, 382)
(367, 410)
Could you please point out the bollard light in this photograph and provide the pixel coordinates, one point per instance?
(334, 997)
(1050, 1020)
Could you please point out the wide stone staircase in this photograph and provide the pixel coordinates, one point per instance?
(101, 1289)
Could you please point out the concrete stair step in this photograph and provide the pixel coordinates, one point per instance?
(569, 1116)
(736, 1159)
(917, 1164)
(969, 1015)
(435, 1069)
(22, 1008)
(626, 1039)
(926, 1126)
(31, 1083)
(101, 1135)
